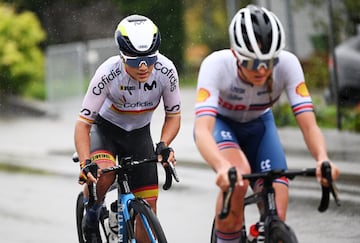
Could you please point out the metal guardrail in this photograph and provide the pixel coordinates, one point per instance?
(70, 66)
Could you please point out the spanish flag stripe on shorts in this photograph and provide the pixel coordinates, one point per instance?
(147, 192)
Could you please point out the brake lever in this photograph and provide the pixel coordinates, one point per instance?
(170, 173)
(228, 194)
(173, 171)
(335, 193)
(325, 199)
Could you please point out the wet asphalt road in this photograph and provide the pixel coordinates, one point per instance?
(41, 208)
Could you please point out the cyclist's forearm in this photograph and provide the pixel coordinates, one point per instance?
(82, 140)
(170, 129)
(313, 136)
(315, 142)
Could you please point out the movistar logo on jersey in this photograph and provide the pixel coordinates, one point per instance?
(150, 86)
(106, 79)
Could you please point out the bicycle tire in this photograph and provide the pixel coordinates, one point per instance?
(138, 206)
(79, 217)
(80, 213)
(280, 232)
(213, 236)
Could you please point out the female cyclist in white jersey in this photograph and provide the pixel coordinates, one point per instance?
(234, 124)
(116, 113)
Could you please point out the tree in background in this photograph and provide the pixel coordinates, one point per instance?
(21, 59)
(82, 20)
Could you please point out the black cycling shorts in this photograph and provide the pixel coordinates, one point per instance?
(111, 139)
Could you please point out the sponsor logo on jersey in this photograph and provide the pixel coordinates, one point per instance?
(237, 90)
(234, 97)
(127, 88)
(202, 95)
(302, 90)
(105, 79)
(138, 104)
(262, 92)
(85, 112)
(87, 116)
(230, 106)
(150, 86)
(170, 73)
(173, 108)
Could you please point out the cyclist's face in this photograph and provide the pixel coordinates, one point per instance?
(139, 68)
(141, 73)
(255, 71)
(256, 77)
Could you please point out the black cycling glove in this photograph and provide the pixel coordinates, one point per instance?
(163, 150)
(86, 167)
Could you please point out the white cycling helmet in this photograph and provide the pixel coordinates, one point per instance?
(137, 35)
(256, 33)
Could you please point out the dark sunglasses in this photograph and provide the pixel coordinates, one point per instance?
(256, 64)
(138, 61)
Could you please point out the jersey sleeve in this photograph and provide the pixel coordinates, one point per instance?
(95, 96)
(295, 86)
(171, 92)
(207, 91)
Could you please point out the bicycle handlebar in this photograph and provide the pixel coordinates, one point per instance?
(291, 174)
(126, 162)
(170, 171)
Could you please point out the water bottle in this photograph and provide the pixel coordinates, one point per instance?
(113, 218)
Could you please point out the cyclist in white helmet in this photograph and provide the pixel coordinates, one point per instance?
(116, 112)
(234, 124)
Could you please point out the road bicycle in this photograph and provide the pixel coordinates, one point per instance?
(271, 228)
(128, 208)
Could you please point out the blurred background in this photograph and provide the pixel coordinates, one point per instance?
(50, 49)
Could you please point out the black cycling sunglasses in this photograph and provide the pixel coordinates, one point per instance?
(256, 64)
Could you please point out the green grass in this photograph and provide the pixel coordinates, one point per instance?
(326, 116)
(6, 167)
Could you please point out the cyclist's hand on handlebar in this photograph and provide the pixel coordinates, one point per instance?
(334, 173)
(222, 178)
(89, 172)
(164, 153)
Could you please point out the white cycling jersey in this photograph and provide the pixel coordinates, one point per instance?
(127, 103)
(220, 90)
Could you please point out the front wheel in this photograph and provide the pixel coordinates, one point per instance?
(280, 233)
(140, 211)
(80, 213)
